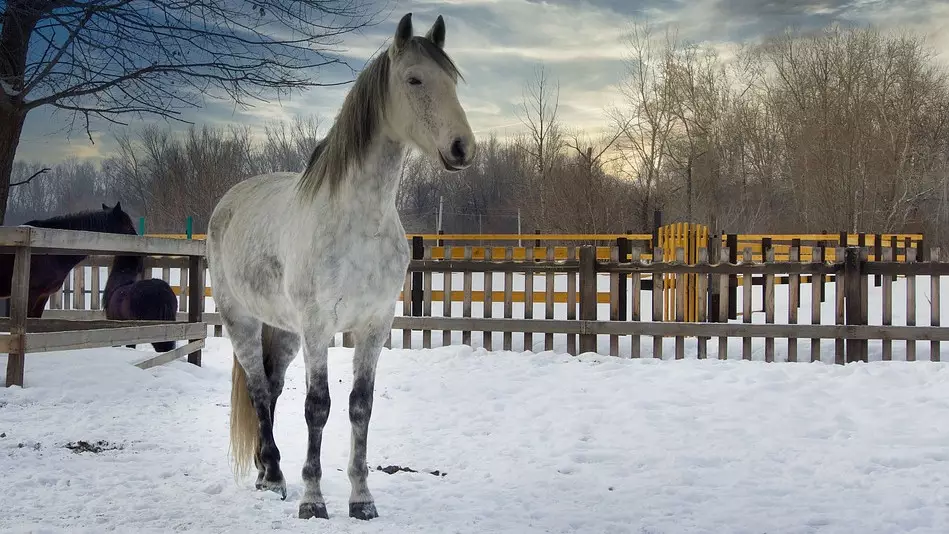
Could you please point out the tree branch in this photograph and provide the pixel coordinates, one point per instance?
(42, 171)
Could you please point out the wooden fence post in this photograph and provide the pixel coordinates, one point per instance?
(853, 305)
(196, 266)
(732, 244)
(715, 281)
(20, 293)
(877, 256)
(624, 249)
(418, 252)
(588, 302)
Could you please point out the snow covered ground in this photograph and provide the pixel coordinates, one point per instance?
(528, 443)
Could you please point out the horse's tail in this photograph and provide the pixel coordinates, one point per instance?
(244, 423)
(245, 426)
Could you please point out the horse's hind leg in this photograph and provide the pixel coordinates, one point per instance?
(368, 346)
(279, 348)
(245, 333)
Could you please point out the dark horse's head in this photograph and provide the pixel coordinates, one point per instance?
(107, 220)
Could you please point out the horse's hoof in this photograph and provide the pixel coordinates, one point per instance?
(313, 509)
(279, 487)
(363, 510)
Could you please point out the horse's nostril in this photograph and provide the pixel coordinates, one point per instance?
(458, 149)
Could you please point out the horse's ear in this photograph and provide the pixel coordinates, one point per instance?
(437, 33)
(402, 34)
(118, 207)
(105, 207)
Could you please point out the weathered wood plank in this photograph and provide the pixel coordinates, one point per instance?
(794, 299)
(427, 299)
(406, 309)
(614, 302)
(54, 241)
(446, 298)
(588, 301)
(466, 302)
(746, 304)
(658, 285)
(702, 297)
(487, 340)
(79, 289)
(887, 315)
(96, 289)
(934, 305)
(817, 289)
(48, 324)
(839, 304)
(668, 329)
(769, 307)
(508, 340)
(171, 355)
(636, 306)
(196, 270)
(682, 283)
(571, 301)
(529, 296)
(910, 305)
(19, 308)
(110, 337)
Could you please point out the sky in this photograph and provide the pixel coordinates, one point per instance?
(498, 44)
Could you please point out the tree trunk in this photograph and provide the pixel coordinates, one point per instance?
(11, 126)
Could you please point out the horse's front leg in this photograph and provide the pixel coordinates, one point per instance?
(316, 411)
(368, 346)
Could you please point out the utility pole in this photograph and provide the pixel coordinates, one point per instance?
(441, 207)
(518, 226)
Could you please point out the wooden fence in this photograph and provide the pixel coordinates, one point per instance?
(590, 301)
(29, 335)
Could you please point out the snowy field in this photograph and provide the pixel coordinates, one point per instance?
(527, 442)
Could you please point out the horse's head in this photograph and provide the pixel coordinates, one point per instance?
(118, 222)
(423, 104)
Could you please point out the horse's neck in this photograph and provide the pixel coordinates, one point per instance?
(372, 188)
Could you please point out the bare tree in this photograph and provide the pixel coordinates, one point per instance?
(538, 113)
(109, 59)
(644, 118)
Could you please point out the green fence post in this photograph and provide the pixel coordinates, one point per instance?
(189, 226)
(141, 226)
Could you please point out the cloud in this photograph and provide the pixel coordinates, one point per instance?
(498, 43)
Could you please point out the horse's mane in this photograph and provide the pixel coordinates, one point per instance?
(347, 142)
(87, 221)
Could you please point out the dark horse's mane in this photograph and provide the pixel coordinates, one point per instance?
(88, 221)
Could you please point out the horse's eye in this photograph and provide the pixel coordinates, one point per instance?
(415, 81)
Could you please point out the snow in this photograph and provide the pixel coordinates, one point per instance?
(529, 443)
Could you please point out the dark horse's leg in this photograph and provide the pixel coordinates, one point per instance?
(36, 309)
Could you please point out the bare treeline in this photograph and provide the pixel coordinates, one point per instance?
(843, 129)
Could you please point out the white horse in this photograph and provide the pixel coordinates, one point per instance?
(294, 259)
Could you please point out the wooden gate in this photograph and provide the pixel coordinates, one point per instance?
(689, 238)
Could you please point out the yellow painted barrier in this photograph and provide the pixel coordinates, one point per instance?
(689, 238)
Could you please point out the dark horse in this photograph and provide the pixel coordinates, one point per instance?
(48, 272)
(128, 297)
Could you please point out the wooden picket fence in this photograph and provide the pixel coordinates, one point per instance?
(599, 299)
